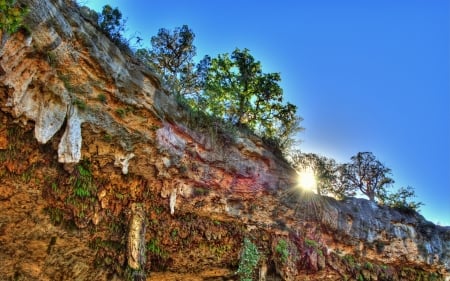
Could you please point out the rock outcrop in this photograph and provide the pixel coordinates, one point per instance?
(133, 184)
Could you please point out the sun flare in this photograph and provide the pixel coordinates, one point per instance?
(306, 179)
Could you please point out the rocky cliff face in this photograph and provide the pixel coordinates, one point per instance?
(105, 176)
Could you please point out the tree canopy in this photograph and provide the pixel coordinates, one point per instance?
(368, 174)
(232, 87)
(364, 174)
(172, 57)
(111, 23)
(401, 199)
(237, 90)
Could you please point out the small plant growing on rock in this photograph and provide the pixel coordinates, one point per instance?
(249, 260)
(282, 250)
(369, 266)
(80, 104)
(121, 112)
(11, 18)
(313, 244)
(102, 98)
(83, 183)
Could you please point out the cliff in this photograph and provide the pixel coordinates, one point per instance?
(105, 176)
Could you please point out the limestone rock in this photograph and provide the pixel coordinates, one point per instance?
(200, 193)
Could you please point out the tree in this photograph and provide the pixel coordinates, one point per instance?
(341, 187)
(238, 91)
(324, 169)
(368, 175)
(402, 199)
(111, 23)
(171, 57)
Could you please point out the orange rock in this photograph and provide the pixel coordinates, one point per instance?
(3, 139)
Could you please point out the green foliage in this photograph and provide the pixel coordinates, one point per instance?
(401, 199)
(111, 23)
(368, 175)
(80, 104)
(55, 188)
(101, 98)
(238, 91)
(121, 112)
(11, 17)
(282, 250)
(313, 244)
(248, 261)
(107, 137)
(350, 260)
(154, 248)
(232, 89)
(368, 266)
(83, 182)
(171, 57)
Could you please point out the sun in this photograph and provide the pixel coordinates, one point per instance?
(306, 179)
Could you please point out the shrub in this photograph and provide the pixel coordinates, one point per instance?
(121, 112)
(249, 260)
(282, 250)
(102, 98)
(11, 17)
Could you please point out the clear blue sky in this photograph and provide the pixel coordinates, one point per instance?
(366, 75)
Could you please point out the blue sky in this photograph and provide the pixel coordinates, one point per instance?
(366, 75)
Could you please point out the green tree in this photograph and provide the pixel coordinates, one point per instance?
(11, 18)
(237, 91)
(368, 175)
(111, 23)
(401, 199)
(171, 57)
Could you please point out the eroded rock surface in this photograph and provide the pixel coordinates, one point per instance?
(105, 164)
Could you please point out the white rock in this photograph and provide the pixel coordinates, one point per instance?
(173, 200)
(69, 148)
(123, 161)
